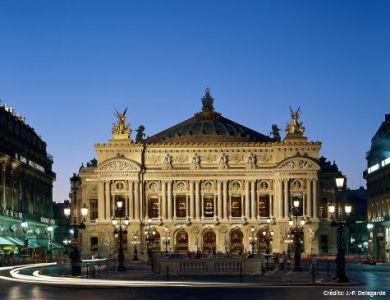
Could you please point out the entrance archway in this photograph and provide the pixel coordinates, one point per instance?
(181, 241)
(209, 241)
(236, 241)
(156, 242)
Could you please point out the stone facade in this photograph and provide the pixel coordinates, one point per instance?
(203, 190)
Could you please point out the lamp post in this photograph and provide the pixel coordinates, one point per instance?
(49, 233)
(75, 254)
(339, 219)
(370, 227)
(297, 232)
(253, 240)
(268, 236)
(166, 239)
(150, 233)
(24, 225)
(135, 242)
(123, 222)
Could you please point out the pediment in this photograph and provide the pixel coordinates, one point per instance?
(118, 165)
(299, 163)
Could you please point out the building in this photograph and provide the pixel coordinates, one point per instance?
(377, 176)
(207, 184)
(26, 183)
(357, 237)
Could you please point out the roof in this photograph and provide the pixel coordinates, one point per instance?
(208, 126)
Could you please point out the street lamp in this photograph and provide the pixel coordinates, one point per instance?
(49, 233)
(75, 254)
(297, 232)
(150, 233)
(268, 236)
(339, 219)
(253, 239)
(135, 242)
(118, 228)
(167, 239)
(370, 227)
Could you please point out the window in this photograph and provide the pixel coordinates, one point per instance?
(93, 210)
(264, 206)
(236, 207)
(208, 206)
(181, 206)
(94, 243)
(324, 207)
(153, 210)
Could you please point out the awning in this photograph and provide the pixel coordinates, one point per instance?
(56, 246)
(45, 244)
(16, 241)
(5, 242)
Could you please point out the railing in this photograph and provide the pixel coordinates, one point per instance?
(210, 266)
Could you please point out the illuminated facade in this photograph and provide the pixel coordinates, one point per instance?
(207, 184)
(378, 186)
(26, 184)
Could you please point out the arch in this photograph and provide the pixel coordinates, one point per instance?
(209, 241)
(181, 241)
(236, 241)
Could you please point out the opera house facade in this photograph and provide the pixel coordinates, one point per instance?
(207, 184)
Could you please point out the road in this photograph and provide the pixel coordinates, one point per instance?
(377, 278)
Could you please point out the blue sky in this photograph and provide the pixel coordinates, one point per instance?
(66, 65)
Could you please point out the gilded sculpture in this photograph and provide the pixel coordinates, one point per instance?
(295, 127)
(120, 129)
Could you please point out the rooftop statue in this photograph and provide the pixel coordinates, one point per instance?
(208, 112)
(295, 127)
(140, 134)
(120, 130)
(276, 132)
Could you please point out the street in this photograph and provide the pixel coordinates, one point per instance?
(376, 278)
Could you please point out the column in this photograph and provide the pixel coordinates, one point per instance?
(225, 200)
(141, 200)
(164, 200)
(247, 200)
(219, 195)
(100, 201)
(107, 200)
(280, 197)
(197, 199)
(131, 200)
(308, 198)
(169, 200)
(286, 208)
(136, 200)
(253, 199)
(315, 199)
(271, 206)
(304, 204)
(192, 211)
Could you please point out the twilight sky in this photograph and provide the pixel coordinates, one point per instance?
(66, 65)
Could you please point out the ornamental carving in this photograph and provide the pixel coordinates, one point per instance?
(237, 159)
(180, 186)
(118, 165)
(235, 187)
(210, 158)
(181, 159)
(208, 186)
(152, 187)
(299, 164)
(154, 159)
(263, 185)
(265, 158)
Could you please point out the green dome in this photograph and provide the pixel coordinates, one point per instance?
(208, 126)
